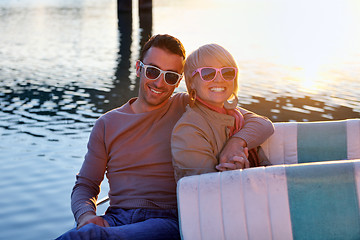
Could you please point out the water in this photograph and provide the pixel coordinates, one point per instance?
(63, 63)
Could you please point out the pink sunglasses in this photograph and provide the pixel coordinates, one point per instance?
(210, 73)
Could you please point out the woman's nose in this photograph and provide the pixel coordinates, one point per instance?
(218, 77)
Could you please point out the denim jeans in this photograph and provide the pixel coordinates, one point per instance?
(134, 224)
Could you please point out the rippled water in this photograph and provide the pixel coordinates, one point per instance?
(65, 62)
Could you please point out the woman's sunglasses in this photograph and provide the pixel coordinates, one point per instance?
(209, 73)
(153, 73)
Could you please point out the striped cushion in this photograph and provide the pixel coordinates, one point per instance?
(295, 142)
(302, 201)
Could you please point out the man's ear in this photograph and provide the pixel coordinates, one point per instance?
(138, 68)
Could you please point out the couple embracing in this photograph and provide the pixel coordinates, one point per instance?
(145, 146)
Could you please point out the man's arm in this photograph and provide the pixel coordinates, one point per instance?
(87, 186)
(254, 132)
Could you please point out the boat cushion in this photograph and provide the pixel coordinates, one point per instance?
(294, 142)
(301, 201)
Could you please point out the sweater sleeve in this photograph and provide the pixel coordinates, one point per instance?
(87, 186)
(256, 129)
(191, 150)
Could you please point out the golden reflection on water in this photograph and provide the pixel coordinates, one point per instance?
(310, 38)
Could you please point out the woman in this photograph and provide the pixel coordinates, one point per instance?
(210, 119)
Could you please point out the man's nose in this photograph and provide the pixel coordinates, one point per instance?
(161, 80)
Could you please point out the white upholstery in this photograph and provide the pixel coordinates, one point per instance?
(254, 204)
(282, 146)
(353, 138)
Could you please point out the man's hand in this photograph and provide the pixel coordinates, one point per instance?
(234, 155)
(90, 217)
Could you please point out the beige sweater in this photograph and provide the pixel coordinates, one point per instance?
(200, 134)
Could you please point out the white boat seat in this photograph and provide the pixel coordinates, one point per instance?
(299, 201)
(294, 142)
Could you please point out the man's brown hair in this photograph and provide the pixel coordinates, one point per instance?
(166, 42)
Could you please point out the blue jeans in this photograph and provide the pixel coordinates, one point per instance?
(134, 224)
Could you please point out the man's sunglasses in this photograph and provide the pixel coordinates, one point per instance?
(153, 73)
(209, 73)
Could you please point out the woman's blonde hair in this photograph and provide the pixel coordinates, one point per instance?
(199, 57)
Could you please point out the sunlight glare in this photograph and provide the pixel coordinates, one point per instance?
(309, 77)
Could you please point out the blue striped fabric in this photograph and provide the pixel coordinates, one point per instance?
(321, 142)
(323, 201)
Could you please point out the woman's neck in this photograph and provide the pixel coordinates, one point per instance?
(212, 107)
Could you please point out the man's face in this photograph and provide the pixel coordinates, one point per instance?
(154, 94)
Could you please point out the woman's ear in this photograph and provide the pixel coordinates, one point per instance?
(138, 68)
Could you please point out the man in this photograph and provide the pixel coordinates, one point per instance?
(131, 144)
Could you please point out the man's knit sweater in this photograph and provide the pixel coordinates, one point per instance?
(134, 152)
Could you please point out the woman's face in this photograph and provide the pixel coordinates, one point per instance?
(214, 92)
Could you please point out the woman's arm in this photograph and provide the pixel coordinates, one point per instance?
(191, 150)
